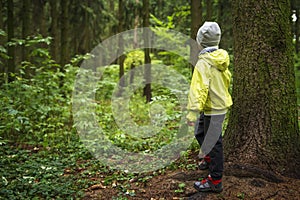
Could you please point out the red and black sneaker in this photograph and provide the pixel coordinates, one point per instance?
(204, 163)
(209, 185)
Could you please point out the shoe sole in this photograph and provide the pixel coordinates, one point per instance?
(203, 168)
(208, 190)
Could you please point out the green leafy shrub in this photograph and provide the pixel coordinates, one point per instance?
(38, 109)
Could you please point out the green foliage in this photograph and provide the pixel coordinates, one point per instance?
(175, 59)
(33, 172)
(38, 109)
(134, 59)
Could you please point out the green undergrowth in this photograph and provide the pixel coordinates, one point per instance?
(35, 172)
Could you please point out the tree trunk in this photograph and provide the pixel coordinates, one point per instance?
(11, 69)
(297, 30)
(146, 23)
(64, 37)
(2, 40)
(196, 14)
(135, 37)
(121, 59)
(209, 10)
(1, 16)
(26, 32)
(54, 30)
(39, 18)
(225, 22)
(25, 26)
(263, 131)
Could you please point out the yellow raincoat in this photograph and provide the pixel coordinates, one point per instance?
(209, 86)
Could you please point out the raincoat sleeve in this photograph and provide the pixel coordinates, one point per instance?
(198, 90)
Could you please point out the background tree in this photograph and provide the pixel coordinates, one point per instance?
(224, 18)
(10, 35)
(2, 38)
(39, 12)
(121, 59)
(64, 46)
(209, 10)
(295, 5)
(54, 30)
(146, 23)
(196, 16)
(263, 131)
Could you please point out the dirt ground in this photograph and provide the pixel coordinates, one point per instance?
(178, 184)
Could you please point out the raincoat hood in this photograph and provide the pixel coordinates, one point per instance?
(218, 59)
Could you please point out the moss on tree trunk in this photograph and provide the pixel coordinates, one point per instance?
(263, 128)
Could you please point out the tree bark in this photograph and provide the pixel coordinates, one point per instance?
(64, 37)
(196, 15)
(297, 30)
(121, 59)
(39, 18)
(209, 10)
(135, 37)
(11, 68)
(1, 16)
(25, 26)
(225, 21)
(263, 130)
(146, 23)
(2, 39)
(54, 30)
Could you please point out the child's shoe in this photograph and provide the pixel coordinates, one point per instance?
(209, 185)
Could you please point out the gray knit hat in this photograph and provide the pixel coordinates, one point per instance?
(209, 34)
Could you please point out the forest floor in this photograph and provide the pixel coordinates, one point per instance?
(178, 184)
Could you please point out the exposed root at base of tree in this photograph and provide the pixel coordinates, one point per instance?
(244, 170)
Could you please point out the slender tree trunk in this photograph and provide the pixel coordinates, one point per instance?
(39, 18)
(263, 134)
(135, 38)
(25, 26)
(136, 23)
(209, 10)
(64, 37)
(26, 32)
(11, 69)
(225, 21)
(121, 59)
(297, 28)
(196, 15)
(146, 23)
(54, 30)
(2, 40)
(1, 16)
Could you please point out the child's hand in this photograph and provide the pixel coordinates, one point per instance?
(189, 123)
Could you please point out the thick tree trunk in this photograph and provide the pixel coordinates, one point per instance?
(54, 30)
(11, 69)
(263, 129)
(146, 23)
(196, 15)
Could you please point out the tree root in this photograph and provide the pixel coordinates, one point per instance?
(250, 171)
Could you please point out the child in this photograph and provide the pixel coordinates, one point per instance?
(209, 95)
